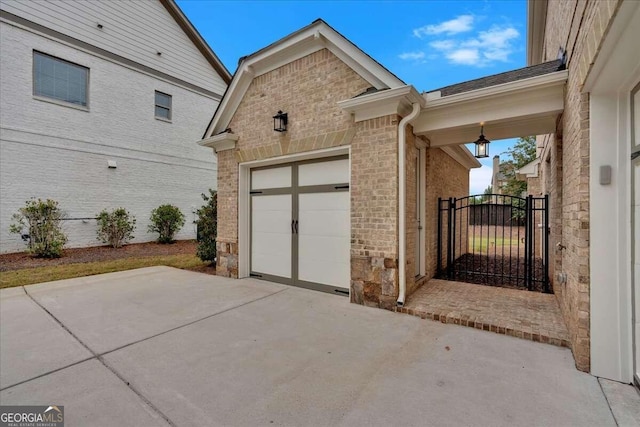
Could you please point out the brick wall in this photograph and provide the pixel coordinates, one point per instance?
(445, 178)
(578, 27)
(374, 212)
(411, 219)
(53, 151)
(374, 188)
(308, 89)
(227, 239)
(550, 182)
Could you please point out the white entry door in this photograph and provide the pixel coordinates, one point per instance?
(300, 224)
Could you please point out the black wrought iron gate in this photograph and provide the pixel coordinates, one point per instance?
(495, 240)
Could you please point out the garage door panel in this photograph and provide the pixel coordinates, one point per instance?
(271, 235)
(272, 203)
(318, 272)
(271, 178)
(313, 223)
(330, 201)
(321, 173)
(310, 247)
(265, 243)
(271, 222)
(271, 263)
(323, 240)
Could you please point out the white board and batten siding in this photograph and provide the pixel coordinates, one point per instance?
(136, 30)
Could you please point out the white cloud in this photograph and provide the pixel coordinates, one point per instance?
(495, 37)
(413, 56)
(494, 44)
(443, 44)
(479, 179)
(464, 56)
(460, 24)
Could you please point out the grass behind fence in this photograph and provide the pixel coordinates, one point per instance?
(487, 244)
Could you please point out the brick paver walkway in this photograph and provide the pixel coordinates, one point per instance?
(529, 315)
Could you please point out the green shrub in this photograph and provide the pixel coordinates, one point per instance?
(207, 223)
(116, 227)
(43, 222)
(166, 220)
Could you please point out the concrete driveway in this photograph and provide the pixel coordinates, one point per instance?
(161, 346)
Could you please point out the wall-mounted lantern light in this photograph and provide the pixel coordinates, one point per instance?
(482, 145)
(280, 122)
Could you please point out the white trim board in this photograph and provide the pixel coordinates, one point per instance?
(524, 107)
(609, 215)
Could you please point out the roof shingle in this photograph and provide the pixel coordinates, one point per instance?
(506, 77)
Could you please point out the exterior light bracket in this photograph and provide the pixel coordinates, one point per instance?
(280, 122)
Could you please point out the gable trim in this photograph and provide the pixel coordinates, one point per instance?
(312, 38)
(195, 37)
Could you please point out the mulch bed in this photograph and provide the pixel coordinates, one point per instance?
(495, 271)
(22, 260)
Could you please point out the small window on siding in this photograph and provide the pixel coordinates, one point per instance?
(163, 106)
(59, 79)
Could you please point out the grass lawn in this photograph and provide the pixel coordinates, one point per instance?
(30, 276)
(485, 244)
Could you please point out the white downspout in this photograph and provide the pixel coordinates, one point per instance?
(402, 208)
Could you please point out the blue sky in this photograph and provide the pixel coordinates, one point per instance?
(428, 44)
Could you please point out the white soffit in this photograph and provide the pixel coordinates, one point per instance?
(220, 142)
(530, 170)
(521, 108)
(462, 155)
(319, 35)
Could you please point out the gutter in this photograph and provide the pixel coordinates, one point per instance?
(402, 209)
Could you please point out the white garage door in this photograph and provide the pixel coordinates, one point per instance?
(271, 249)
(300, 224)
